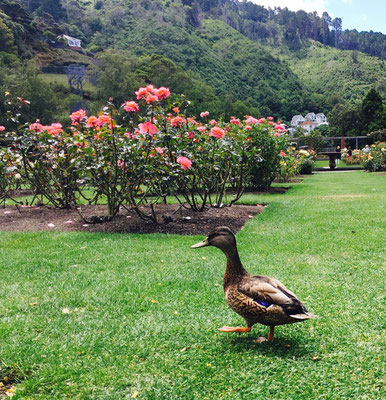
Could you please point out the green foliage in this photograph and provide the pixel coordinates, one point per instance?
(49, 101)
(306, 166)
(206, 50)
(375, 159)
(155, 151)
(265, 165)
(373, 111)
(331, 76)
(7, 40)
(378, 135)
(346, 120)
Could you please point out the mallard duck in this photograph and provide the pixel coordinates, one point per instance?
(258, 299)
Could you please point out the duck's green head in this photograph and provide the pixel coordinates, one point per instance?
(221, 237)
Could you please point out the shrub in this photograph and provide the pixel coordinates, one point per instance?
(46, 157)
(355, 159)
(9, 178)
(267, 140)
(375, 160)
(306, 166)
(289, 165)
(306, 162)
(145, 150)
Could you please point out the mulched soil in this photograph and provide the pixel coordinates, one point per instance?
(172, 219)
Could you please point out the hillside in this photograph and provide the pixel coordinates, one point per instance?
(331, 75)
(234, 57)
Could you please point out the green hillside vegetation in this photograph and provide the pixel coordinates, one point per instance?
(230, 57)
(233, 65)
(334, 73)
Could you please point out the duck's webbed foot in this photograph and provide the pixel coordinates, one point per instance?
(235, 329)
(270, 336)
(261, 339)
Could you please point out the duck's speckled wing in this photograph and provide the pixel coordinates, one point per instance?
(268, 291)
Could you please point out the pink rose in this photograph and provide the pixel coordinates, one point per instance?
(130, 106)
(251, 121)
(184, 162)
(77, 116)
(162, 93)
(147, 127)
(217, 132)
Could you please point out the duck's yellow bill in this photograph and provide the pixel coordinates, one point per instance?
(200, 244)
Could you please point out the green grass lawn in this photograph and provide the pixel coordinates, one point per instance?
(98, 316)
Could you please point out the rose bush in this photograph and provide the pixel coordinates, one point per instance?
(355, 159)
(9, 179)
(145, 151)
(375, 160)
(47, 159)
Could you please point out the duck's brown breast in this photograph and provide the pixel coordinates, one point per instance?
(243, 304)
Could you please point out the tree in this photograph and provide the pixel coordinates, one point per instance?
(372, 106)
(7, 40)
(326, 23)
(53, 7)
(337, 25)
(346, 119)
(193, 14)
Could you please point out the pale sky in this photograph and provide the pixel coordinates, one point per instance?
(362, 15)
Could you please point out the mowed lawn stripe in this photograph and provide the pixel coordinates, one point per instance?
(113, 316)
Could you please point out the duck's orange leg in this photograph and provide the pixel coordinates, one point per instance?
(270, 336)
(235, 329)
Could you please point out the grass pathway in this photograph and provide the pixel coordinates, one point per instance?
(96, 316)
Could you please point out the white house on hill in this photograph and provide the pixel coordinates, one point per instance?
(321, 119)
(72, 42)
(309, 122)
(296, 120)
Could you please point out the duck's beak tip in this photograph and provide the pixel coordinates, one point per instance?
(203, 243)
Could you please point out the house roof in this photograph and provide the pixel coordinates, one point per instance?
(308, 123)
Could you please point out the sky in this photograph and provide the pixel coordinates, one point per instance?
(362, 15)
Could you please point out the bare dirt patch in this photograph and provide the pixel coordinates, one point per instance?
(172, 219)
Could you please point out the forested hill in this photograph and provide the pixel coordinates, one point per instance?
(233, 56)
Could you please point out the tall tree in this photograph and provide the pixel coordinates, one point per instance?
(326, 23)
(7, 40)
(337, 25)
(372, 107)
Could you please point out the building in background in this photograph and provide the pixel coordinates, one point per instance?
(74, 43)
(309, 122)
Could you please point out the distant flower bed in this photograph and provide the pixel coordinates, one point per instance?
(355, 158)
(375, 159)
(295, 162)
(143, 152)
(372, 157)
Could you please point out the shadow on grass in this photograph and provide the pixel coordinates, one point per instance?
(280, 346)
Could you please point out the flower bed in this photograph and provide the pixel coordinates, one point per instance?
(142, 153)
(375, 159)
(356, 157)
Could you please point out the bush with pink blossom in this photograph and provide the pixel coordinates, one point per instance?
(148, 149)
